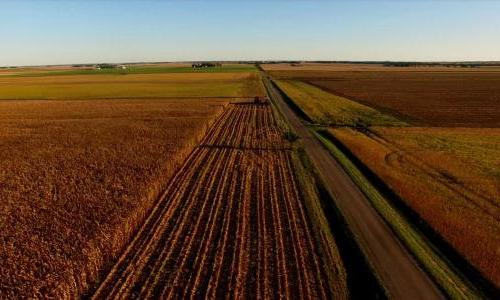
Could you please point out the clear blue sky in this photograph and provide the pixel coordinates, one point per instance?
(72, 31)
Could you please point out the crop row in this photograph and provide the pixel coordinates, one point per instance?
(231, 223)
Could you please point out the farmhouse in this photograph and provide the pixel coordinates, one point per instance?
(110, 66)
(205, 65)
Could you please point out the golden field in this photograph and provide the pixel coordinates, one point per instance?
(83, 159)
(449, 176)
(112, 86)
(232, 224)
(77, 177)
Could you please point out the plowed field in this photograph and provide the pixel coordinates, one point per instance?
(231, 223)
(461, 99)
(432, 96)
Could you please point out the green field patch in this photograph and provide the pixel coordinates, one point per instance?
(138, 70)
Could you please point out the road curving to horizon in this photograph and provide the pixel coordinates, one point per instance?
(399, 273)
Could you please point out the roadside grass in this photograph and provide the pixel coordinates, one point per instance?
(137, 70)
(332, 260)
(453, 284)
(288, 132)
(327, 109)
(332, 231)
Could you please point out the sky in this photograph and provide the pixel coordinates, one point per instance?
(39, 32)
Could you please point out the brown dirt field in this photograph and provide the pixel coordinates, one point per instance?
(449, 176)
(231, 224)
(445, 99)
(339, 67)
(77, 179)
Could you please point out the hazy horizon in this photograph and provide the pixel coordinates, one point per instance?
(252, 61)
(79, 32)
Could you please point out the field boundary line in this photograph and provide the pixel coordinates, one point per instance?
(129, 98)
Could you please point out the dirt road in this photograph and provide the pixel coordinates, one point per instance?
(396, 268)
(231, 224)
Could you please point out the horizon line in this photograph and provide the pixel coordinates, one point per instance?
(251, 61)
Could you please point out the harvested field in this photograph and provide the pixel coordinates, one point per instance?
(449, 176)
(231, 224)
(77, 178)
(83, 87)
(445, 99)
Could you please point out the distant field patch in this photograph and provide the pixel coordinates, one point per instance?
(131, 86)
(327, 109)
(285, 69)
(149, 69)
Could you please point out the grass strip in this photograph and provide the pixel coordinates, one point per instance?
(331, 230)
(329, 252)
(288, 132)
(291, 103)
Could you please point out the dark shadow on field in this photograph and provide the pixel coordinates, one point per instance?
(255, 149)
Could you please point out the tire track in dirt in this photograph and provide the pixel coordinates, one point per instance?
(407, 162)
(181, 246)
(230, 224)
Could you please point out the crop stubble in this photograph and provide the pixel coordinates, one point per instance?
(231, 223)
